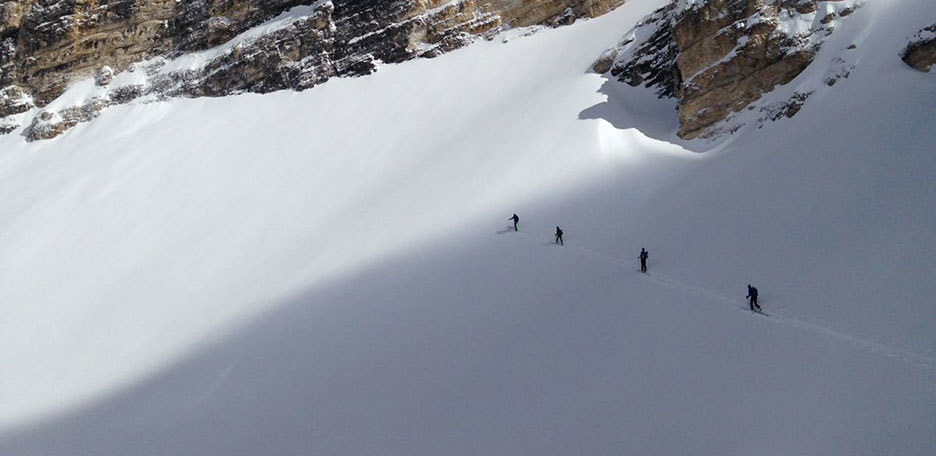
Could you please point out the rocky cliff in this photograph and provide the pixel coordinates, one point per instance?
(168, 48)
(717, 57)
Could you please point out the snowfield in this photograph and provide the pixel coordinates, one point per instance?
(330, 272)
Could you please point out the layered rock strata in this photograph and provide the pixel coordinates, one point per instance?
(719, 56)
(219, 47)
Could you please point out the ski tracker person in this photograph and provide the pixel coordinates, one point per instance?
(752, 298)
(643, 256)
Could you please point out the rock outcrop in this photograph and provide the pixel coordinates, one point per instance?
(920, 53)
(220, 47)
(718, 56)
(14, 101)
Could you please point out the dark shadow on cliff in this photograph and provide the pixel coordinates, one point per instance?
(629, 107)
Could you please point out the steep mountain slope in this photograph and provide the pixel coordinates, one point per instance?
(328, 272)
(718, 57)
(222, 47)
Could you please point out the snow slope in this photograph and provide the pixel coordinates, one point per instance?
(329, 272)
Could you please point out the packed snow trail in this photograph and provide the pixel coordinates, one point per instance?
(920, 359)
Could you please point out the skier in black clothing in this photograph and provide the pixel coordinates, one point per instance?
(558, 236)
(752, 297)
(643, 259)
(515, 220)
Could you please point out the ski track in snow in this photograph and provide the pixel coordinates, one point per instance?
(890, 351)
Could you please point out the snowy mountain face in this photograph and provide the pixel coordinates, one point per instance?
(216, 48)
(718, 57)
(332, 271)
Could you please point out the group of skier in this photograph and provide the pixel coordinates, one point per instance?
(516, 220)
(643, 256)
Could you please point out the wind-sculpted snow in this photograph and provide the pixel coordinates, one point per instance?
(330, 271)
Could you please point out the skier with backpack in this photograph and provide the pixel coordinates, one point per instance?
(752, 298)
(559, 236)
(643, 260)
(515, 220)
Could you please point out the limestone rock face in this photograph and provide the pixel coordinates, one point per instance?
(59, 40)
(920, 53)
(14, 102)
(221, 47)
(718, 56)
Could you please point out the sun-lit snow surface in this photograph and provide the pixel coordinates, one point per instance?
(328, 272)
